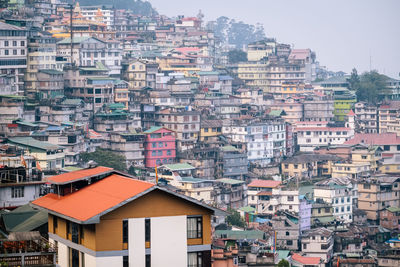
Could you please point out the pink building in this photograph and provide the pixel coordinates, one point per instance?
(159, 147)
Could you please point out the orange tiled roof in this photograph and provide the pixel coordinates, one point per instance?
(94, 199)
(305, 260)
(264, 183)
(78, 175)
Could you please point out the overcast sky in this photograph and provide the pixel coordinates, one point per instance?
(343, 33)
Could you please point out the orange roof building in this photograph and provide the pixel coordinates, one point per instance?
(100, 217)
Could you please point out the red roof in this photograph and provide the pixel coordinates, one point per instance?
(351, 113)
(305, 260)
(374, 139)
(78, 175)
(95, 198)
(264, 183)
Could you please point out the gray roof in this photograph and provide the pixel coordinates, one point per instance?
(30, 142)
(10, 27)
(309, 157)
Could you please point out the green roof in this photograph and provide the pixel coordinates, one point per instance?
(51, 72)
(247, 209)
(208, 73)
(178, 166)
(12, 219)
(246, 234)
(14, 96)
(229, 181)
(26, 123)
(75, 40)
(72, 102)
(275, 113)
(30, 142)
(38, 219)
(393, 209)
(116, 106)
(229, 149)
(72, 168)
(153, 129)
(192, 180)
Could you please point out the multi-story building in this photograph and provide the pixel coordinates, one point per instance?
(210, 130)
(366, 117)
(159, 147)
(254, 74)
(49, 156)
(230, 193)
(258, 189)
(13, 53)
(105, 12)
(318, 108)
(50, 84)
(388, 114)
(314, 135)
(41, 56)
(232, 164)
(352, 170)
(286, 228)
(389, 218)
(377, 193)
(186, 124)
(318, 242)
(110, 220)
(261, 49)
(279, 73)
(321, 214)
(388, 143)
(340, 196)
(130, 145)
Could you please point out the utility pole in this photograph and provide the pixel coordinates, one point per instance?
(71, 33)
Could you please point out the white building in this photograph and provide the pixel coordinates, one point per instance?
(318, 243)
(104, 14)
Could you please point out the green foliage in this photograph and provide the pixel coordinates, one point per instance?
(236, 33)
(138, 6)
(235, 56)
(283, 263)
(371, 87)
(235, 219)
(354, 80)
(106, 158)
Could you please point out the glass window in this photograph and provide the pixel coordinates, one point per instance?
(17, 192)
(147, 230)
(195, 227)
(125, 231)
(195, 259)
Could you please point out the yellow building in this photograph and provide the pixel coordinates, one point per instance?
(253, 74)
(49, 156)
(308, 165)
(135, 74)
(377, 193)
(210, 129)
(112, 220)
(390, 165)
(261, 49)
(366, 155)
(352, 170)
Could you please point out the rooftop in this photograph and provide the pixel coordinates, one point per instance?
(229, 181)
(30, 142)
(70, 177)
(374, 139)
(264, 183)
(178, 166)
(95, 199)
(306, 260)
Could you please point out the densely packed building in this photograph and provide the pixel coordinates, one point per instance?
(234, 164)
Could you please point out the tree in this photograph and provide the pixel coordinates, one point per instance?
(235, 219)
(283, 263)
(354, 80)
(235, 56)
(106, 158)
(372, 87)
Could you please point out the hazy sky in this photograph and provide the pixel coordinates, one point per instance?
(343, 33)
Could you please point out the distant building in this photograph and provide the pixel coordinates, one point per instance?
(159, 147)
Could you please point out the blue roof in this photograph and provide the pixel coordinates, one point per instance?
(225, 78)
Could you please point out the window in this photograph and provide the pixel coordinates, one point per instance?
(147, 230)
(17, 192)
(125, 261)
(304, 246)
(153, 145)
(289, 242)
(367, 186)
(195, 227)
(55, 224)
(195, 259)
(6, 52)
(125, 231)
(160, 144)
(154, 153)
(287, 233)
(169, 153)
(5, 43)
(386, 147)
(290, 198)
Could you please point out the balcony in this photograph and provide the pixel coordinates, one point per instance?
(27, 249)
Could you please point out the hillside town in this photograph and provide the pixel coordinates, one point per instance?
(141, 140)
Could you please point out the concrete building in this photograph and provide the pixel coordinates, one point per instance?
(377, 193)
(159, 147)
(318, 107)
(387, 114)
(366, 117)
(286, 228)
(230, 193)
(13, 53)
(318, 242)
